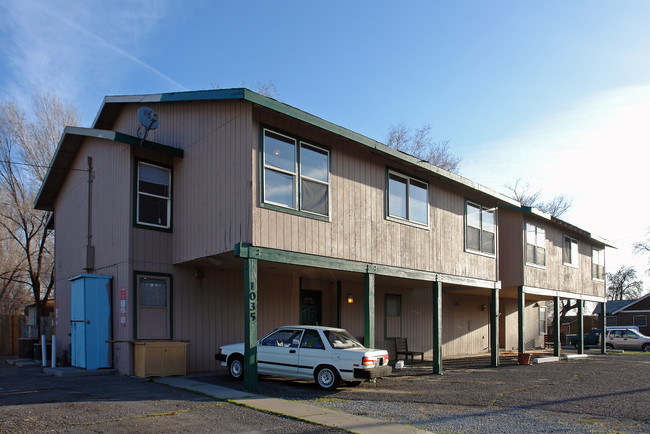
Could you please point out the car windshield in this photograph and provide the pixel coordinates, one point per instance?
(340, 339)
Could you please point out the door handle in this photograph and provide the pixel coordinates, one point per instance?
(80, 320)
(292, 351)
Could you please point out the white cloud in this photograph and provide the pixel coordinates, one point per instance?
(596, 152)
(72, 47)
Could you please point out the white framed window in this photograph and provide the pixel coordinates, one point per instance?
(542, 320)
(153, 207)
(480, 228)
(640, 320)
(408, 199)
(296, 174)
(598, 264)
(570, 251)
(535, 245)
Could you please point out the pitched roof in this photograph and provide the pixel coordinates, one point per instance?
(66, 151)
(112, 106)
(613, 306)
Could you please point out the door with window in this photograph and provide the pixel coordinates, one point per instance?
(153, 294)
(310, 307)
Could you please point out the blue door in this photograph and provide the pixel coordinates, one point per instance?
(90, 321)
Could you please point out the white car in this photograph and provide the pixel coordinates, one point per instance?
(325, 354)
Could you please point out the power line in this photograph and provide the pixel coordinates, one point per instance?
(38, 165)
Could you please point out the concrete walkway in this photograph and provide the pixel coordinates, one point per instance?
(294, 409)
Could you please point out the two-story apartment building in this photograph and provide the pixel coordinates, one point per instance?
(239, 214)
(543, 258)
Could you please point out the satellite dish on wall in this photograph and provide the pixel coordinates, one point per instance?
(149, 120)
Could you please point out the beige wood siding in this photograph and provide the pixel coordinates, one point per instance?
(110, 230)
(359, 229)
(212, 182)
(558, 276)
(511, 247)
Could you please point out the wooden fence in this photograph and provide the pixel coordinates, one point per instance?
(9, 334)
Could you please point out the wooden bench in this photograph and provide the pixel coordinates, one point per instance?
(549, 341)
(402, 347)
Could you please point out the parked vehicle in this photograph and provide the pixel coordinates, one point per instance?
(627, 339)
(324, 354)
(591, 339)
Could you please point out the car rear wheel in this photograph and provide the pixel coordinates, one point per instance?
(236, 367)
(327, 378)
(646, 348)
(609, 346)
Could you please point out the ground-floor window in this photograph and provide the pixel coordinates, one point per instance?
(393, 316)
(153, 306)
(640, 320)
(542, 320)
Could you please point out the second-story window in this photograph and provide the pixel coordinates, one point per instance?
(408, 199)
(296, 174)
(598, 264)
(570, 251)
(535, 245)
(480, 228)
(153, 196)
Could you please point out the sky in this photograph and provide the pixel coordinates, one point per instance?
(554, 93)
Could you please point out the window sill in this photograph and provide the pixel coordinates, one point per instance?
(541, 267)
(407, 222)
(478, 252)
(295, 212)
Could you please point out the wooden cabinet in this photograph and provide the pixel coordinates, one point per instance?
(159, 359)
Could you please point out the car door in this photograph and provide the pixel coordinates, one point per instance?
(615, 338)
(630, 341)
(277, 353)
(312, 352)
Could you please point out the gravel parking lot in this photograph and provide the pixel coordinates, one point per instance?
(601, 393)
(604, 393)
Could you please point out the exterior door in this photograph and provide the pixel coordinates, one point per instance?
(78, 324)
(310, 307)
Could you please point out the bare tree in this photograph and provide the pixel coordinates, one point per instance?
(524, 193)
(27, 144)
(623, 284)
(419, 144)
(643, 248)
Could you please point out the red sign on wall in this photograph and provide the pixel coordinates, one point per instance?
(123, 307)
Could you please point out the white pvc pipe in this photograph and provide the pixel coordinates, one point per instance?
(44, 350)
(54, 351)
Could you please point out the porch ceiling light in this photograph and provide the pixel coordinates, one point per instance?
(350, 299)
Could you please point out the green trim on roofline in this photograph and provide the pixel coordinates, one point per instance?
(280, 107)
(69, 145)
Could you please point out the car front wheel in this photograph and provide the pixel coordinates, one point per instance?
(236, 367)
(327, 378)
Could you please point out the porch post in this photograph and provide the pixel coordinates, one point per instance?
(494, 327)
(581, 327)
(250, 325)
(603, 329)
(521, 329)
(556, 326)
(437, 328)
(369, 310)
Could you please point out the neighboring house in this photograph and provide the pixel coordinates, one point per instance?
(628, 313)
(542, 258)
(570, 325)
(237, 197)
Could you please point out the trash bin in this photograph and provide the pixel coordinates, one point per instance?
(524, 358)
(26, 347)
